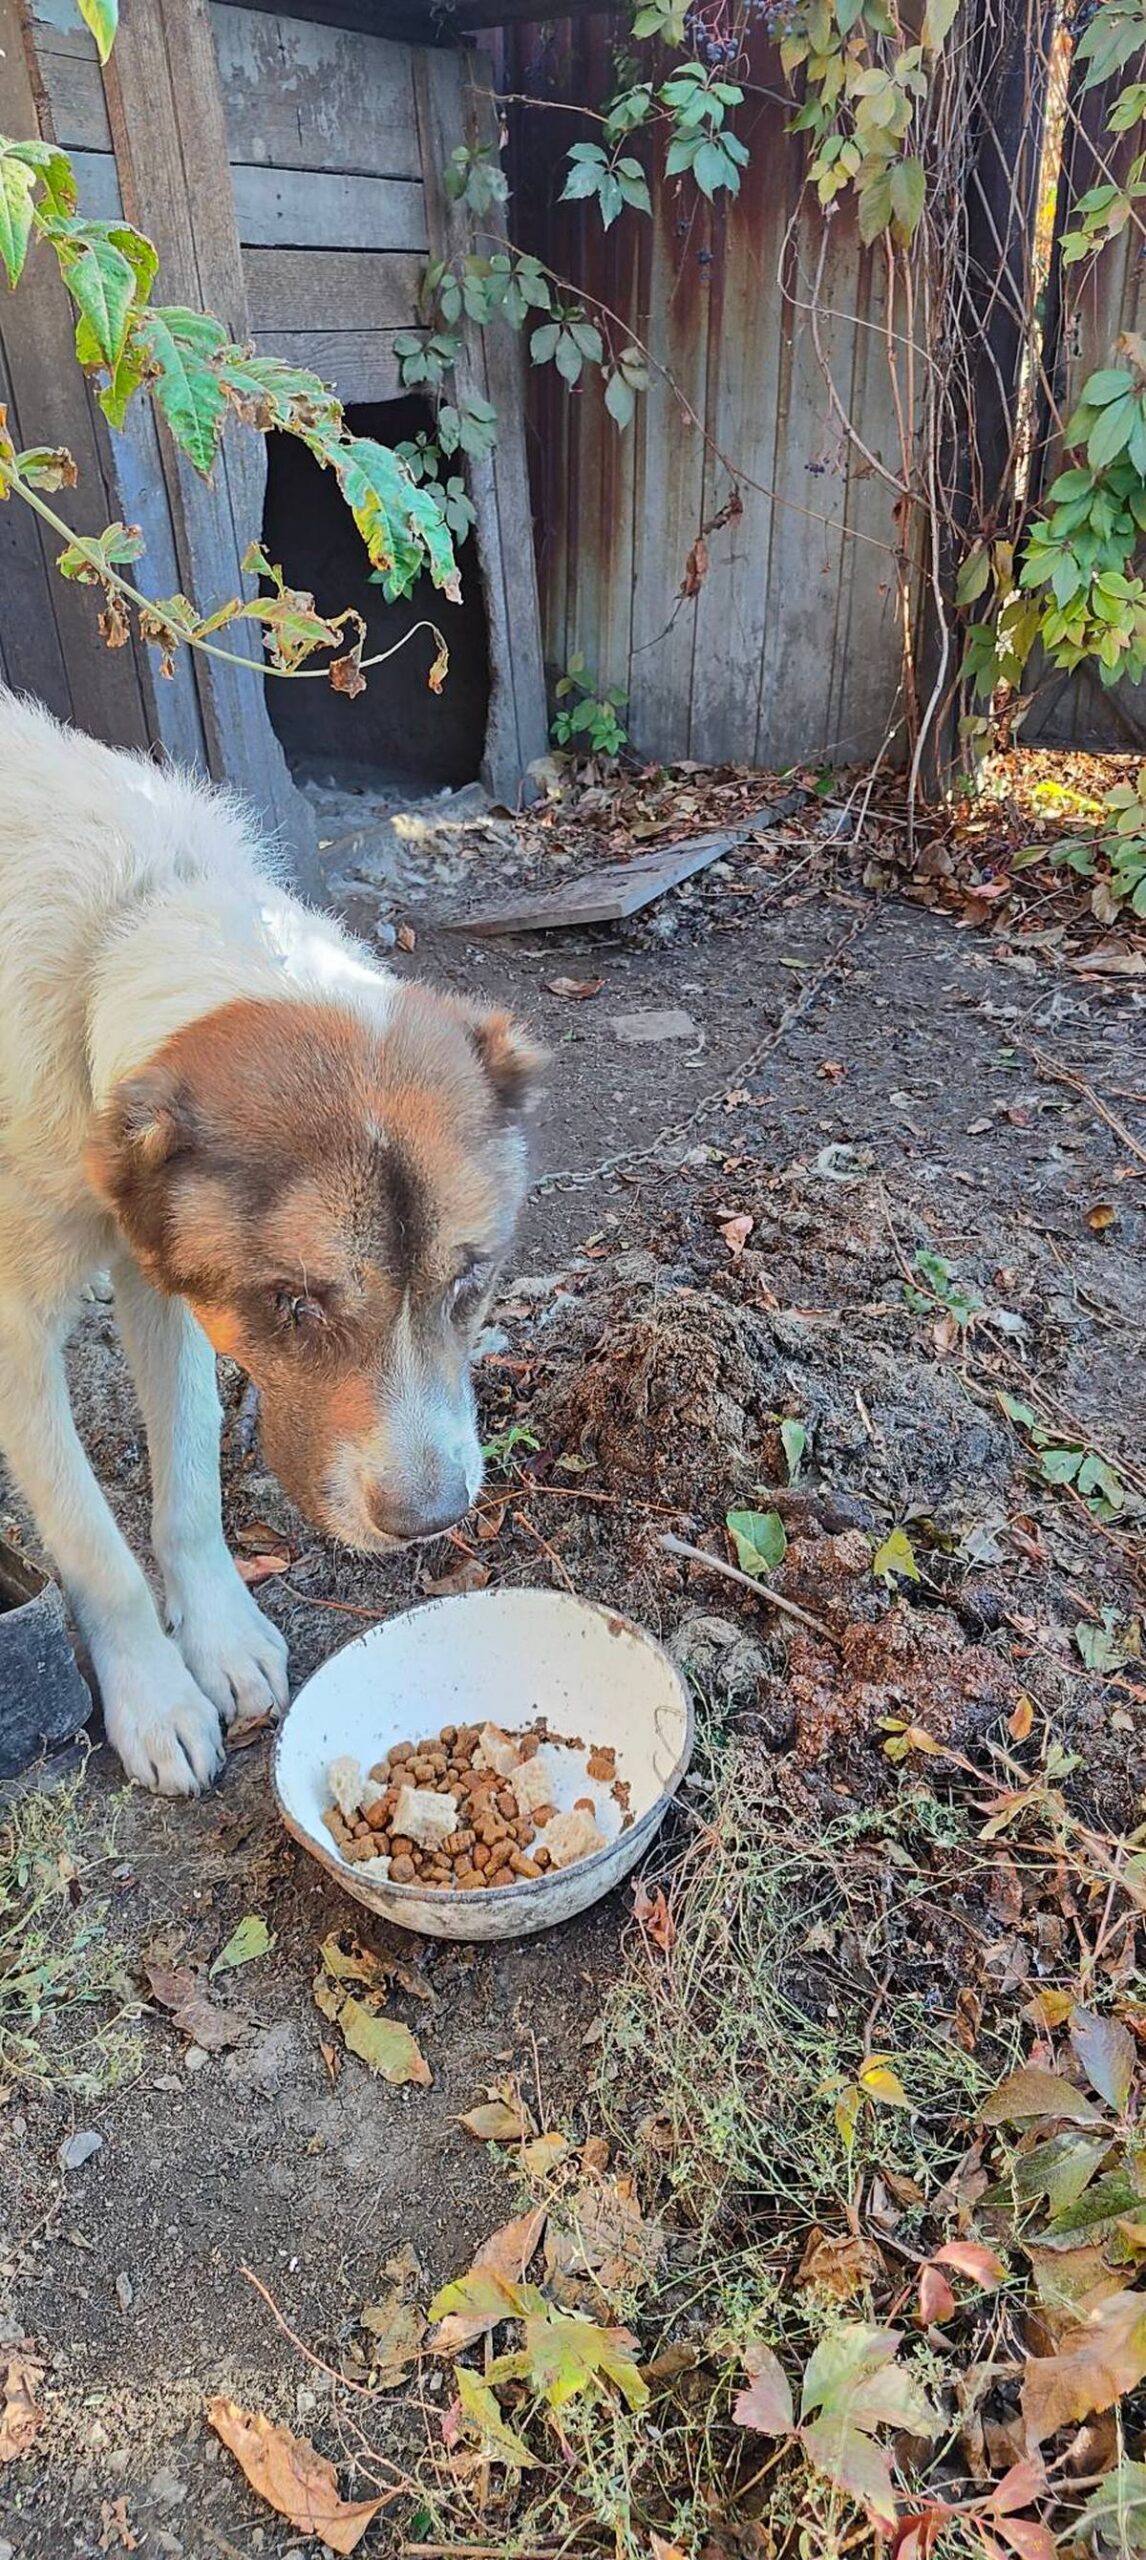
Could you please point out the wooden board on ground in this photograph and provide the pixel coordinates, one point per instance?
(621, 889)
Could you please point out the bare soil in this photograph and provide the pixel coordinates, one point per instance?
(653, 1360)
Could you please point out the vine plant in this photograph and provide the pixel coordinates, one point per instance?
(198, 377)
(872, 86)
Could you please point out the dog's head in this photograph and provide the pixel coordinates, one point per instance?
(333, 1200)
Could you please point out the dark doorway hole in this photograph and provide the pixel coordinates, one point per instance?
(397, 732)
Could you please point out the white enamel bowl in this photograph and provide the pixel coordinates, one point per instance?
(503, 1657)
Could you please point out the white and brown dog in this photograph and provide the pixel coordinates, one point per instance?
(277, 1149)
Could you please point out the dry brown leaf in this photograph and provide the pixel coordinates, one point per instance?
(1097, 2362)
(545, 2153)
(577, 990)
(695, 568)
(839, 2264)
(255, 1569)
(603, 2246)
(468, 1575)
(654, 1915)
(1102, 1216)
(117, 2534)
(395, 2324)
(346, 676)
(290, 2476)
(968, 2258)
(736, 1232)
(503, 2118)
(20, 2417)
(406, 937)
(662, 2550)
(1019, 1725)
(440, 668)
(193, 2010)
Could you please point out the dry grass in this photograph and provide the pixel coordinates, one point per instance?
(67, 2005)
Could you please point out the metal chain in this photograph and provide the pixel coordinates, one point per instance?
(792, 1014)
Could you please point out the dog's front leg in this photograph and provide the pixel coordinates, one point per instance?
(164, 1728)
(235, 1653)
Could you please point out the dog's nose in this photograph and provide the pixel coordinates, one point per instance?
(423, 1511)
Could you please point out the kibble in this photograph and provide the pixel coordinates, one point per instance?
(488, 1782)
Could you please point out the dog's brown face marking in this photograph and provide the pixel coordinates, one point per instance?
(334, 1200)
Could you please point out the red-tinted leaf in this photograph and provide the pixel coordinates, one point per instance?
(766, 2402)
(854, 2462)
(1029, 2540)
(1095, 2365)
(1019, 2487)
(936, 2300)
(979, 2265)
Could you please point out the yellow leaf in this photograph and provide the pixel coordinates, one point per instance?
(878, 2080)
(1019, 1725)
(498, 2440)
(848, 2109)
(384, 2044)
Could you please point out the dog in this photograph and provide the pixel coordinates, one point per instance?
(281, 1152)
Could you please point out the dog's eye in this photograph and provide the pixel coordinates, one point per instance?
(294, 1308)
(468, 1289)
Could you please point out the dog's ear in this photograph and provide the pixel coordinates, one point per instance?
(512, 1060)
(147, 1122)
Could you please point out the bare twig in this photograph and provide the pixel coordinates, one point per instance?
(1078, 1084)
(674, 1546)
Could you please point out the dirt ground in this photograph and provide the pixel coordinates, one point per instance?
(931, 1099)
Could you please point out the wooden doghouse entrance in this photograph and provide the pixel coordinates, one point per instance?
(290, 174)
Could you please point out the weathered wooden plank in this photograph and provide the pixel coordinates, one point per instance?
(33, 657)
(672, 495)
(309, 209)
(165, 57)
(77, 108)
(450, 110)
(331, 288)
(357, 364)
(621, 889)
(97, 182)
(52, 405)
(301, 96)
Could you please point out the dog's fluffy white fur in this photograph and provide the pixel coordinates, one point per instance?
(133, 900)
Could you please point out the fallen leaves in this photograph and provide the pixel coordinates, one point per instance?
(250, 1940)
(736, 1231)
(1096, 2363)
(192, 2008)
(1031, 2091)
(502, 2117)
(474, 2303)
(760, 1540)
(394, 2326)
(653, 1914)
(575, 990)
(291, 2476)
(383, 2043)
(21, 2417)
(853, 2384)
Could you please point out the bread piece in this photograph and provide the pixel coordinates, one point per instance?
(570, 1836)
(424, 1816)
(534, 1783)
(345, 1781)
(497, 1751)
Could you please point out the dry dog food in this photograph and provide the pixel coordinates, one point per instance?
(473, 1808)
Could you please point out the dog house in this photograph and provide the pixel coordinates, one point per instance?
(289, 168)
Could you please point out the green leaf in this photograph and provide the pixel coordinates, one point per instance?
(896, 1555)
(1014, 1410)
(760, 1540)
(101, 280)
(1105, 1647)
(938, 19)
(856, 2465)
(620, 399)
(974, 575)
(1060, 1466)
(384, 2044)
(566, 2356)
(908, 195)
(875, 207)
(102, 18)
(569, 359)
(1108, 384)
(17, 184)
(1114, 2516)
(1107, 2201)
(252, 1938)
(1060, 2169)
(184, 385)
(543, 342)
(498, 2440)
(794, 1441)
(399, 523)
(1112, 430)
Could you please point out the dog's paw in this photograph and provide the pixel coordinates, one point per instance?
(238, 1658)
(157, 1718)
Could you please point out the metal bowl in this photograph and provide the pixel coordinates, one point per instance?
(502, 1656)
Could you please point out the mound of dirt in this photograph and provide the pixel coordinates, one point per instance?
(685, 1400)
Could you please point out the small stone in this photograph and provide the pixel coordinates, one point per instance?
(653, 1023)
(124, 2292)
(195, 2057)
(79, 2148)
